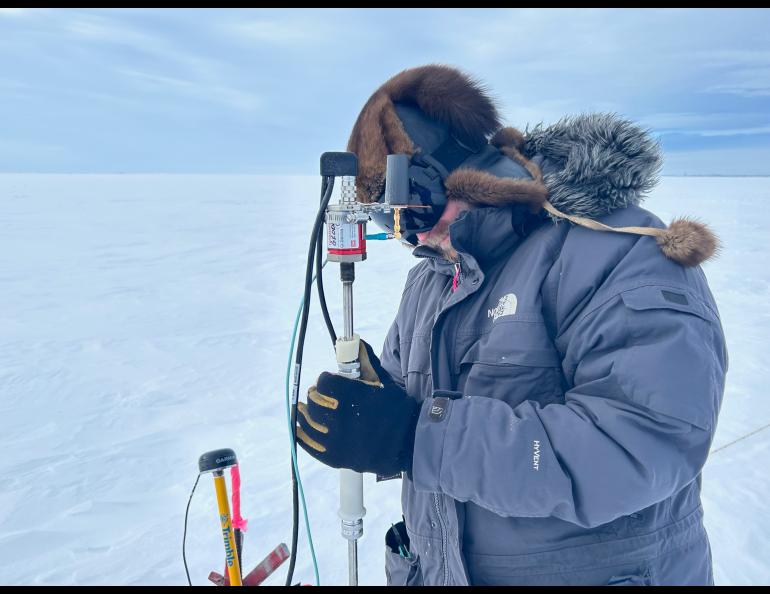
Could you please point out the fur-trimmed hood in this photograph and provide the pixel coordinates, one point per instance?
(579, 168)
(595, 163)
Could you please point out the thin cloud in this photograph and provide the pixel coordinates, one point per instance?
(199, 77)
(15, 12)
(732, 57)
(22, 147)
(697, 123)
(274, 32)
(106, 30)
(746, 83)
(741, 72)
(13, 85)
(736, 131)
(230, 97)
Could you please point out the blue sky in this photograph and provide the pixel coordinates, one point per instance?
(266, 91)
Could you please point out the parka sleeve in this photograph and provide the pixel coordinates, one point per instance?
(647, 367)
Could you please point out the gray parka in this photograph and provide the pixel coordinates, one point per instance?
(580, 376)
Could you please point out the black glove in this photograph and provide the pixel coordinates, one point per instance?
(365, 424)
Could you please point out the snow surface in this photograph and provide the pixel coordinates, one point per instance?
(145, 319)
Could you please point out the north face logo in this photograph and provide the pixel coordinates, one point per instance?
(506, 307)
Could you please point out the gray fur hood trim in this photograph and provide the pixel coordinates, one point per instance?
(593, 164)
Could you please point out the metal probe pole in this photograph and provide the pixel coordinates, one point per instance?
(351, 483)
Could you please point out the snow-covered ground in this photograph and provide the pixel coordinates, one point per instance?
(145, 319)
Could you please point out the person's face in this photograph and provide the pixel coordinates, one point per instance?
(438, 236)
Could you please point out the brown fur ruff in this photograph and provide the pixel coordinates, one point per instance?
(508, 137)
(443, 93)
(479, 187)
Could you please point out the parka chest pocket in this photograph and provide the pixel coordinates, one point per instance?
(513, 361)
(418, 369)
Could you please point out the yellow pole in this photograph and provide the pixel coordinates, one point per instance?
(231, 554)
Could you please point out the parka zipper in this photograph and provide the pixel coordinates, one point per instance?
(443, 540)
(436, 502)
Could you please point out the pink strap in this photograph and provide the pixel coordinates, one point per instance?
(238, 522)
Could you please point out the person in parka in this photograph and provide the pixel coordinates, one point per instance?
(551, 383)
